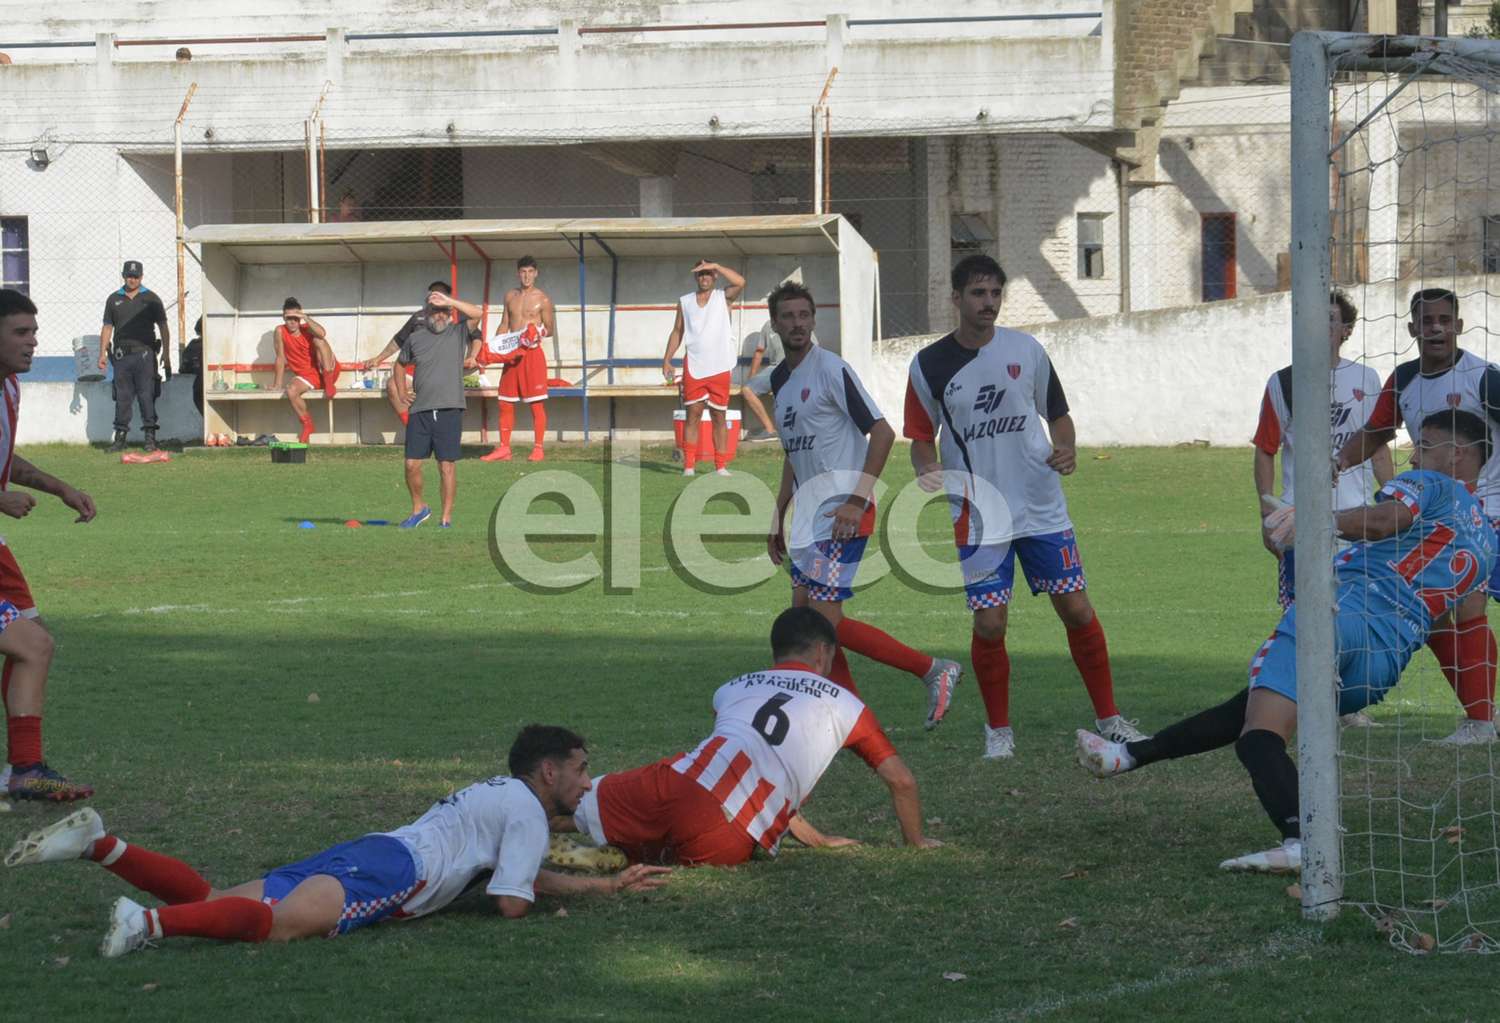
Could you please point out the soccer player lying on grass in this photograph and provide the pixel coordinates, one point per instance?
(1418, 553)
(775, 733)
(496, 827)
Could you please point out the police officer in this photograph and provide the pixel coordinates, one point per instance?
(132, 316)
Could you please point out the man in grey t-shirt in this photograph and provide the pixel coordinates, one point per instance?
(438, 350)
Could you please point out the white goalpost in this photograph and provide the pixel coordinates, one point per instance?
(1393, 144)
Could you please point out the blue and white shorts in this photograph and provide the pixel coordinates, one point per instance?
(1050, 562)
(827, 568)
(378, 872)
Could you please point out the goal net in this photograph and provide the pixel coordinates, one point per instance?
(1396, 189)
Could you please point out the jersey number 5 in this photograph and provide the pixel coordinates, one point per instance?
(771, 721)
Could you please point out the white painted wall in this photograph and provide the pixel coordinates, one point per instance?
(1172, 376)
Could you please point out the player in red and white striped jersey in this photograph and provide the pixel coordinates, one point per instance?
(775, 733)
(1444, 376)
(981, 394)
(24, 640)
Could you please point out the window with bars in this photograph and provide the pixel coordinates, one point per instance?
(1091, 245)
(15, 256)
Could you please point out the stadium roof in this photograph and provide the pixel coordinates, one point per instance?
(406, 240)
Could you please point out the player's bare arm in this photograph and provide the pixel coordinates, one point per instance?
(166, 348)
(1064, 457)
(1361, 448)
(549, 315)
(391, 348)
(1265, 474)
(847, 516)
(803, 831)
(905, 801)
(674, 340)
(1380, 522)
(105, 333)
(278, 380)
(924, 461)
(776, 538)
(1383, 464)
(468, 310)
(24, 474)
(638, 877)
(314, 327)
(403, 391)
(736, 282)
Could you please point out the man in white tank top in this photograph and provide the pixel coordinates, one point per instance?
(704, 331)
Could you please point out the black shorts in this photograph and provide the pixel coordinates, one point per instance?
(435, 432)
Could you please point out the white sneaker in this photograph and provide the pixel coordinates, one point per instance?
(722, 472)
(1285, 858)
(999, 743)
(1359, 719)
(690, 471)
(1101, 757)
(941, 679)
(1117, 729)
(127, 929)
(1470, 733)
(66, 839)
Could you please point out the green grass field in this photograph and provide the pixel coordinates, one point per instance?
(194, 623)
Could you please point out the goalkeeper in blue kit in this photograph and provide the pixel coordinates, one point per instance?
(1417, 552)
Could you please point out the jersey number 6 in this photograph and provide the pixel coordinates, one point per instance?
(771, 721)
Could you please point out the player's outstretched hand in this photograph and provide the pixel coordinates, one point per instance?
(839, 842)
(846, 518)
(639, 877)
(16, 504)
(1063, 460)
(80, 502)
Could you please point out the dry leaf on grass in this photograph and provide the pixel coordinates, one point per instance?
(149, 987)
(1071, 923)
(5, 922)
(955, 976)
(561, 912)
(1453, 834)
(1474, 942)
(1424, 942)
(1073, 874)
(1103, 456)
(1385, 925)
(312, 698)
(397, 763)
(1436, 905)
(1295, 891)
(61, 961)
(1014, 792)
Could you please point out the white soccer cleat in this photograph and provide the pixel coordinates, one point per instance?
(1101, 757)
(569, 853)
(1117, 729)
(941, 679)
(1359, 719)
(1470, 733)
(999, 743)
(690, 471)
(722, 472)
(127, 929)
(1285, 858)
(67, 839)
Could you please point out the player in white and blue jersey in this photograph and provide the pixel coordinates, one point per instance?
(1423, 548)
(497, 828)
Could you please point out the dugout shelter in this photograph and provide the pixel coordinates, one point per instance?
(615, 284)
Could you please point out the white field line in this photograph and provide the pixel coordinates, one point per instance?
(1286, 942)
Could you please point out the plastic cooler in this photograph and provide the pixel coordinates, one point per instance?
(289, 453)
(86, 358)
(706, 434)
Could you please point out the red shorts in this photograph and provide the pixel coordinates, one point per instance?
(655, 815)
(13, 584)
(525, 379)
(314, 377)
(714, 389)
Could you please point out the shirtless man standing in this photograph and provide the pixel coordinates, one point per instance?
(524, 376)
